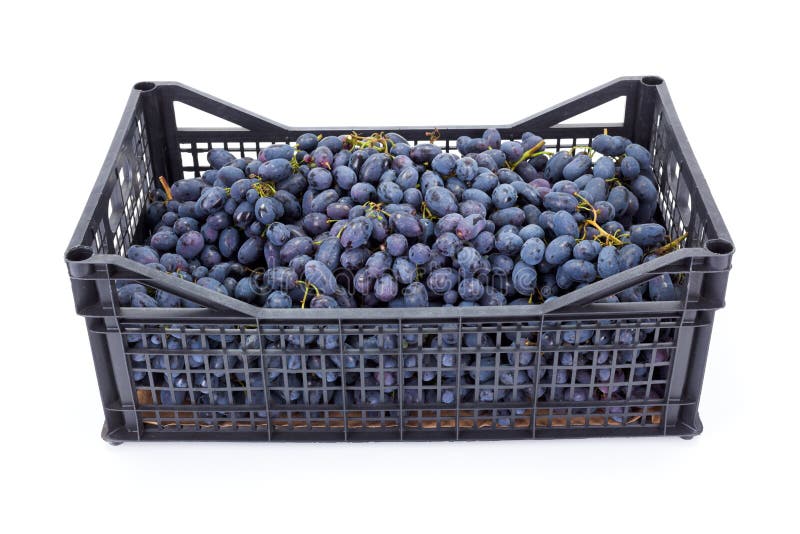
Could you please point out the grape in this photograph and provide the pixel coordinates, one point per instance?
(373, 167)
(469, 227)
(470, 289)
(630, 256)
(514, 216)
(164, 240)
(424, 153)
(532, 251)
(189, 245)
(553, 170)
(406, 224)
(579, 270)
(556, 201)
(357, 232)
(218, 157)
(385, 287)
(661, 288)
(444, 163)
(447, 244)
(602, 143)
(404, 271)
(565, 224)
(442, 280)
(639, 153)
(319, 178)
(604, 168)
(295, 247)
(644, 189)
(419, 253)
(320, 276)
(508, 243)
(577, 166)
(504, 196)
(378, 263)
(647, 235)
(523, 277)
(329, 252)
(587, 250)
(559, 250)
(396, 244)
(440, 201)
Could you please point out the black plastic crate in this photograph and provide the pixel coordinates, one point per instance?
(651, 356)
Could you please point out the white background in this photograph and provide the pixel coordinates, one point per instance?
(67, 70)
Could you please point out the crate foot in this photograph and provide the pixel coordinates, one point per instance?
(108, 439)
(687, 437)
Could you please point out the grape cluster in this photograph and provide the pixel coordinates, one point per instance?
(367, 221)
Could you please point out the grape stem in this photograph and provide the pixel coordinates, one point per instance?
(307, 285)
(166, 187)
(603, 237)
(265, 189)
(589, 149)
(426, 212)
(434, 135)
(672, 245)
(530, 153)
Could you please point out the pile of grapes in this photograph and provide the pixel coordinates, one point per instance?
(368, 221)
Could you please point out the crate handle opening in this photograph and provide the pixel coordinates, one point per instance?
(652, 80)
(719, 246)
(79, 253)
(144, 86)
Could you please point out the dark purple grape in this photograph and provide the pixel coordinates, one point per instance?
(174, 262)
(250, 251)
(564, 224)
(553, 170)
(514, 216)
(579, 270)
(357, 232)
(320, 276)
(378, 263)
(532, 251)
(484, 242)
(578, 165)
(396, 244)
(630, 256)
(647, 235)
(295, 247)
(470, 289)
(218, 157)
(189, 245)
(424, 153)
(419, 253)
(373, 167)
(329, 252)
(559, 250)
(508, 243)
(319, 178)
(363, 281)
(556, 201)
(385, 287)
(440, 201)
(354, 258)
(415, 295)
(404, 271)
(275, 170)
(467, 228)
(447, 244)
(442, 280)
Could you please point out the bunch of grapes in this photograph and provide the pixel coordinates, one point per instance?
(368, 221)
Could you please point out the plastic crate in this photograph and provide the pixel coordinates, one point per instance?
(264, 391)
